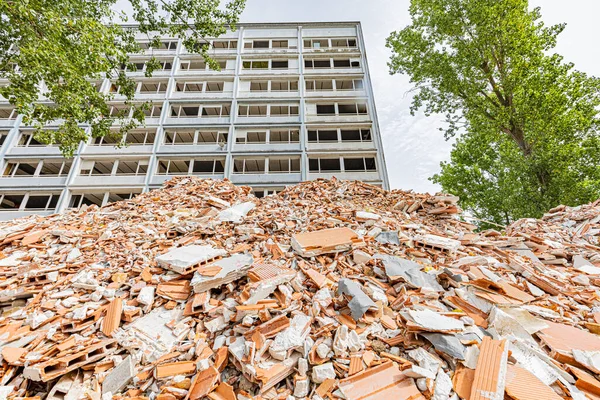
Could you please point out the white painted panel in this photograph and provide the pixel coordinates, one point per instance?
(270, 33)
(328, 32)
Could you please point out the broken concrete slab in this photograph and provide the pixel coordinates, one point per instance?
(183, 259)
(232, 268)
(360, 302)
(119, 377)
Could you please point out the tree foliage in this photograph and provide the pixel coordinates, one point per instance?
(52, 51)
(525, 122)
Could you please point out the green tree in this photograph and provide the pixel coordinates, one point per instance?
(525, 122)
(52, 52)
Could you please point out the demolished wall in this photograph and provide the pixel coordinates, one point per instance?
(330, 289)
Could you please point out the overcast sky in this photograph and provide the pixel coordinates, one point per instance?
(413, 146)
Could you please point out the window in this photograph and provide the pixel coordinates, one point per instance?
(284, 86)
(193, 65)
(133, 137)
(140, 66)
(325, 109)
(260, 192)
(319, 85)
(316, 43)
(157, 87)
(353, 109)
(313, 64)
(173, 167)
(224, 44)
(191, 136)
(114, 168)
(55, 168)
(208, 167)
(251, 137)
(44, 168)
(29, 201)
(341, 63)
(356, 135)
(163, 45)
(248, 165)
(189, 86)
(27, 139)
(280, 44)
(153, 111)
(3, 136)
(349, 84)
(351, 42)
(284, 110)
(215, 86)
(185, 111)
(102, 198)
(212, 137)
(259, 86)
(264, 64)
(279, 64)
(260, 44)
(322, 136)
(11, 201)
(284, 136)
(215, 111)
(119, 111)
(284, 165)
(324, 165)
(361, 164)
(8, 113)
(88, 199)
(254, 110)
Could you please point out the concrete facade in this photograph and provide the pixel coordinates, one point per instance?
(292, 102)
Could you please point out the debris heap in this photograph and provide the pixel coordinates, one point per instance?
(329, 289)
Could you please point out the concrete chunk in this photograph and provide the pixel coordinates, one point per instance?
(182, 259)
(119, 377)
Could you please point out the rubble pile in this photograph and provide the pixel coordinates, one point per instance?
(329, 289)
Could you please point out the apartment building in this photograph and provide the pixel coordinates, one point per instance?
(292, 102)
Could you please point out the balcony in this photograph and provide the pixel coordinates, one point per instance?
(31, 182)
(109, 180)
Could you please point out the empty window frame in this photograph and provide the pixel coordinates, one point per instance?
(189, 87)
(133, 137)
(360, 164)
(29, 201)
(163, 45)
(355, 135)
(152, 87)
(349, 84)
(173, 167)
(195, 111)
(203, 166)
(326, 109)
(343, 43)
(153, 111)
(317, 63)
(224, 44)
(191, 136)
(346, 63)
(283, 110)
(113, 168)
(284, 165)
(192, 65)
(262, 192)
(119, 110)
(249, 166)
(257, 44)
(253, 137)
(284, 86)
(257, 64)
(318, 85)
(27, 139)
(141, 65)
(284, 136)
(100, 199)
(281, 44)
(352, 109)
(279, 64)
(316, 43)
(45, 168)
(8, 113)
(253, 110)
(3, 136)
(318, 165)
(259, 86)
(322, 136)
